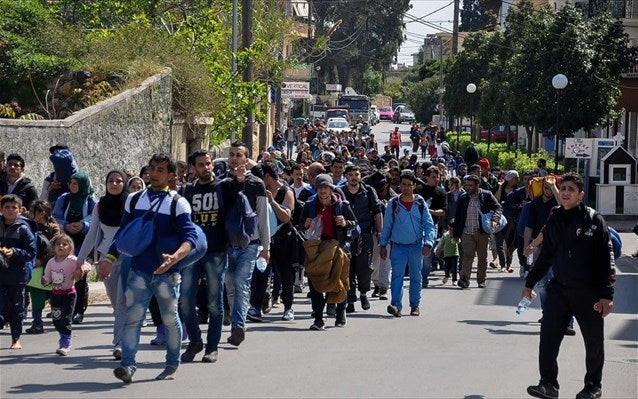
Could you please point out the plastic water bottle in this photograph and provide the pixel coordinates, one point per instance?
(261, 262)
(530, 259)
(523, 305)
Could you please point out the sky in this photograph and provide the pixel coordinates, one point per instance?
(415, 31)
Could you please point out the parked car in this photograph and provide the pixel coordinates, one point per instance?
(499, 134)
(403, 114)
(338, 125)
(386, 113)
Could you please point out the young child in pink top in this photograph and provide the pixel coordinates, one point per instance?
(62, 272)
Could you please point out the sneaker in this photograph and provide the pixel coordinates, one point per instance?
(15, 344)
(318, 325)
(254, 315)
(168, 372)
(365, 303)
(276, 302)
(349, 308)
(237, 336)
(414, 311)
(482, 285)
(445, 280)
(298, 289)
(289, 315)
(590, 392)
(340, 321)
(124, 373)
(65, 345)
(117, 353)
(383, 294)
(453, 282)
(394, 311)
(570, 331)
(375, 293)
(210, 356)
(160, 337)
(425, 283)
(493, 265)
(78, 318)
(192, 349)
(462, 283)
(543, 390)
(331, 310)
(266, 308)
(36, 328)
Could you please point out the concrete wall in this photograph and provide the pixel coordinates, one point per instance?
(120, 132)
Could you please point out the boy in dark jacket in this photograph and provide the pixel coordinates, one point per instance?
(577, 246)
(17, 246)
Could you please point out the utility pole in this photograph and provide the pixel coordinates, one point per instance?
(441, 87)
(233, 58)
(455, 29)
(248, 75)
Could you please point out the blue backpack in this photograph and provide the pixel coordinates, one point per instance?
(241, 220)
(616, 242)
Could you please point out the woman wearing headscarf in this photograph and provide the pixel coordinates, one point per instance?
(73, 212)
(105, 221)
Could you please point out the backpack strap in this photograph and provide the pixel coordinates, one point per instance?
(134, 199)
(174, 201)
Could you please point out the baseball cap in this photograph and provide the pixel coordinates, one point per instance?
(324, 180)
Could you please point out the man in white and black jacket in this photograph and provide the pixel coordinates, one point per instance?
(576, 245)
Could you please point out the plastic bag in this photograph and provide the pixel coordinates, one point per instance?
(315, 229)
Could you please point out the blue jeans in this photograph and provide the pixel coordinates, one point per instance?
(139, 289)
(213, 266)
(241, 262)
(427, 261)
(400, 256)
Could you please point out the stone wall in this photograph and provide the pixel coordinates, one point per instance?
(120, 132)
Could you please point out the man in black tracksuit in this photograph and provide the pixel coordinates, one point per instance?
(576, 243)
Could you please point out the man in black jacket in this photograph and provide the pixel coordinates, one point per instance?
(474, 202)
(576, 244)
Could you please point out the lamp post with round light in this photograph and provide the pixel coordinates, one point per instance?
(471, 88)
(559, 82)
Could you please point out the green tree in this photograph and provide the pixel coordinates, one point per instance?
(475, 16)
(392, 87)
(423, 97)
(353, 35)
(372, 81)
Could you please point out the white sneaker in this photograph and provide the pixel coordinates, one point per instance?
(289, 315)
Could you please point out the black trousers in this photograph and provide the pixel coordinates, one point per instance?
(560, 305)
(62, 306)
(451, 266)
(82, 302)
(318, 301)
(282, 257)
(259, 286)
(12, 308)
(360, 266)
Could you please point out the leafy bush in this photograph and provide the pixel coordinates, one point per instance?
(500, 156)
(137, 51)
(33, 48)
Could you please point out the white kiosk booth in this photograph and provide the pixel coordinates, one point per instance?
(617, 193)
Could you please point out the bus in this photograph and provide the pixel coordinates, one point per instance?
(358, 105)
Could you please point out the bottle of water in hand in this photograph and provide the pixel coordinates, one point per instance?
(523, 305)
(261, 262)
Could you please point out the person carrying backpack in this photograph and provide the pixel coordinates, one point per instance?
(408, 226)
(248, 228)
(156, 259)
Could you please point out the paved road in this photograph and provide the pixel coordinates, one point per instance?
(465, 344)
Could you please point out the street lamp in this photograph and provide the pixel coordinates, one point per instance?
(559, 81)
(471, 88)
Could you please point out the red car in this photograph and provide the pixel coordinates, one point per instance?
(499, 134)
(386, 113)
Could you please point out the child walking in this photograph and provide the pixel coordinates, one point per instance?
(448, 247)
(61, 270)
(47, 228)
